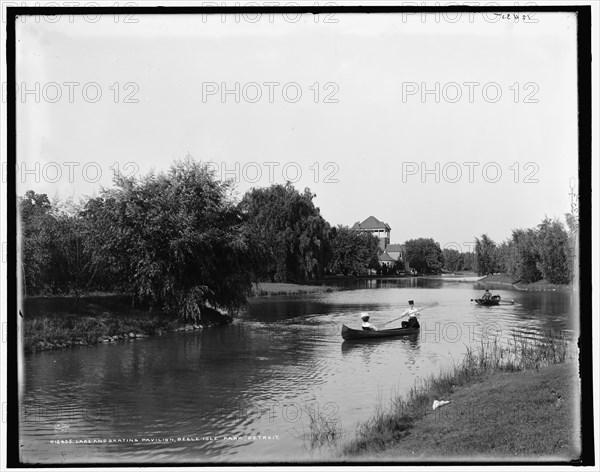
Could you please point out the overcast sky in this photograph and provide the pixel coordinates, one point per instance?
(363, 147)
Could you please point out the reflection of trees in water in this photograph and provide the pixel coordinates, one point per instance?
(188, 384)
(551, 311)
(287, 307)
(356, 284)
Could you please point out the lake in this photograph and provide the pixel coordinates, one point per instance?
(246, 392)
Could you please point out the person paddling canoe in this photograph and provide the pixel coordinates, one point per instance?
(412, 316)
(366, 325)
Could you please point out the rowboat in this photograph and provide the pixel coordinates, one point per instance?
(489, 301)
(350, 334)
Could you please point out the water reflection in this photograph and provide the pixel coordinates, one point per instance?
(405, 282)
(411, 342)
(258, 375)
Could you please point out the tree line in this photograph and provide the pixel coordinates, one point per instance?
(180, 241)
(529, 255)
(532, 254)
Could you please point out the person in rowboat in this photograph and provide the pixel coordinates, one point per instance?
(412, 316)
(487, 295)
(365, 322)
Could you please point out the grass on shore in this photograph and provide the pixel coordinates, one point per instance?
(540, 285)
(273, 288)
(322, 431)
(60, 330)
(519, 415)
(62, 322)
(390, 427)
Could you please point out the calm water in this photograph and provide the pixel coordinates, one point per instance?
(179, 395)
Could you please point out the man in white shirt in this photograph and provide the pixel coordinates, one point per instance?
(412, 316)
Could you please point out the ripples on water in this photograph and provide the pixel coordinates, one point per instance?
(258, 376)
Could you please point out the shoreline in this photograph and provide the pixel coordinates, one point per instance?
(539, 286)
(59, 322)
(500, 416)
(520, 408)
(51, 323)
(271, 289)
(263, 289)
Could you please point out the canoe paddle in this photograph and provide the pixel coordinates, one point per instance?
(418, 311)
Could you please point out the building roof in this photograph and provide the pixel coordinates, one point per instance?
(371, 223)
(394, 248)
(385, 257)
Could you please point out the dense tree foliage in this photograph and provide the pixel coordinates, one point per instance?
(36, 241)
(502, 256)
(573, 234)
(178, 240)
(72, 256)
(353, 252)
(453, 260)
(554, 252)
(523, 256)
(291, 236)
(55, 256)
(485, 255)
(544, 252)
(468, 261)
(424, 255)
(175, 240)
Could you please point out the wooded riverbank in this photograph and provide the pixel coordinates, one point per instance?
(540, 285)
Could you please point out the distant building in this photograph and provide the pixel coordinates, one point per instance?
(396, 251)
(393, 254)
(376, 228)
(386, 260)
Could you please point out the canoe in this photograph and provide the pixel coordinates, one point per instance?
(489, 302)
(349, 333)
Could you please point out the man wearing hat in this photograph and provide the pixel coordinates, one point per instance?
(412, 316)
(366, 325)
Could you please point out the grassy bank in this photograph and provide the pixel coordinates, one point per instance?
(504, 415)
(264, 289)
(62, 322)
(540, 285)
(467, 277)
(514, 401)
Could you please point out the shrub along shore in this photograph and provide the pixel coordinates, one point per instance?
(63, 322)
(506, 402)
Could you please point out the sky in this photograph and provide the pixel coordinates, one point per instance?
(443, 127)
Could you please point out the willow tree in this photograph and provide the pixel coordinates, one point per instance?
(523, 263)
(555, 252)
(290, 235)
(485, 255)
(174, 239)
